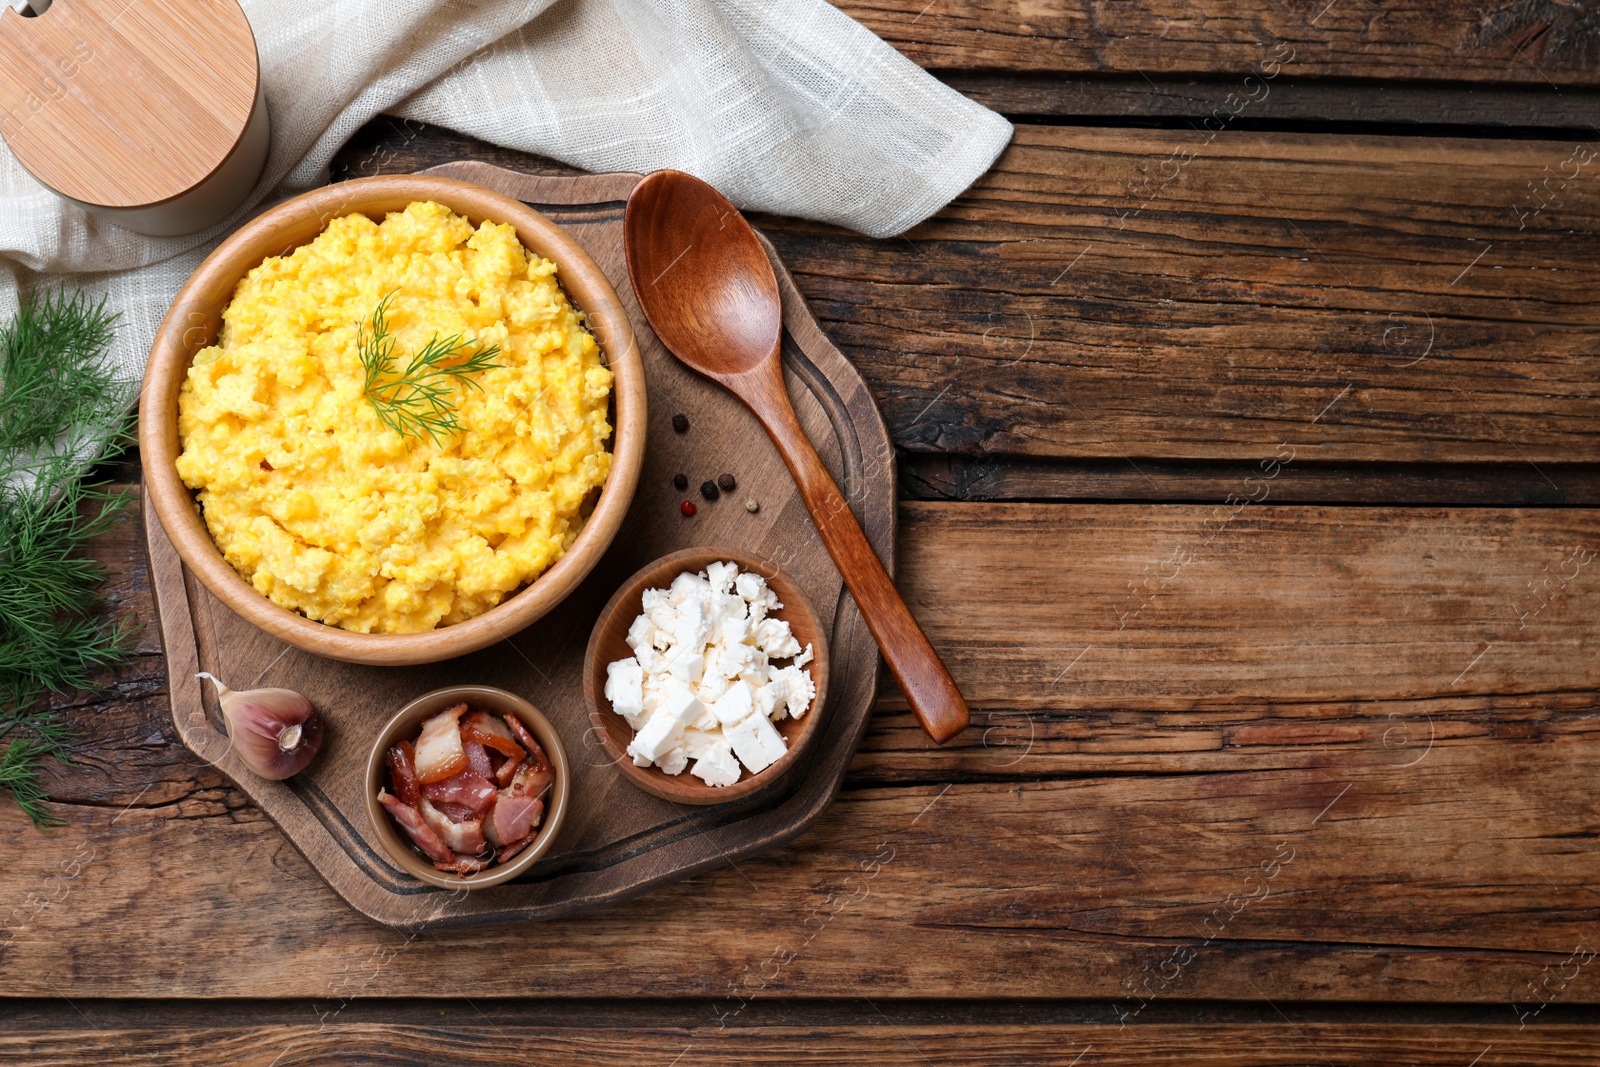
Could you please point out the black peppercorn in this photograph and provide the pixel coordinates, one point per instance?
(709, 490)
(680, 481)
(727, 483)
(680, 422)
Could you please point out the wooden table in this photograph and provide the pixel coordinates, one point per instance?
(1247, 420)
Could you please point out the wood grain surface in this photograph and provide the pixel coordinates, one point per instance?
(126, 109)
(1262, 784)
(462, 1037)
(1544, 43)
(1371, 298)
(1430, 838)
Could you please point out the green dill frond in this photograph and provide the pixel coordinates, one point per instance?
(420, 401)
(19, 773)
(56, 397)
(61, 411)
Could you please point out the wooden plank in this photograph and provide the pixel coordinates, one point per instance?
(1414, 817)
(1167, 294)
(933, 476)
(1356, 299)
(1541, 43)
(1105, 99)
(1253, 604)
(869, 1038)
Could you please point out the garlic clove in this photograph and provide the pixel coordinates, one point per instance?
(276, 732)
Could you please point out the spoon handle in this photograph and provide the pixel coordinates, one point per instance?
(928, 687)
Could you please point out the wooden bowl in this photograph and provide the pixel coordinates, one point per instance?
(404, 726)
(195, 319)
(608, 643)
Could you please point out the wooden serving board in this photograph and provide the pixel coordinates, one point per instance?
(617, 841)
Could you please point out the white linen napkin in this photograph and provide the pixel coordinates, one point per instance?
(787, 106)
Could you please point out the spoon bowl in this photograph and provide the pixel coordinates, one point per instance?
(715, 292)
(707, 288)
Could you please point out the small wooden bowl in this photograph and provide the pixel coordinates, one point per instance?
(608, 643)
(195, 319)
(404, 726)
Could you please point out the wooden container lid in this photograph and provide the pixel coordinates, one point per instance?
(148, 110)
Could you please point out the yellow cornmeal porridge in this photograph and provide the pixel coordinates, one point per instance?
(328, 511)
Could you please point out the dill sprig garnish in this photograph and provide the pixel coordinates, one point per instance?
(421, 400)
(61, 411)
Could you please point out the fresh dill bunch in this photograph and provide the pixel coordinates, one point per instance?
(419, 402)
(61, 411)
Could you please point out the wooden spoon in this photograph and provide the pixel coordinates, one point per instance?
(707, 287)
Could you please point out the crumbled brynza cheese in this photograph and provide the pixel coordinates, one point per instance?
(701, 684)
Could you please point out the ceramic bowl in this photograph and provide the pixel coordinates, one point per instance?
(404, 727)
(608, 643)
(195, 319)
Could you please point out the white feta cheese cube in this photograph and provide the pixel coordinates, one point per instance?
(625, 686)
(757, 674)
(679, 701)
(803, 658)
(755, 742)
(749, 585)
(640, 631)
(739, 659)
(659, 736)
(712, 685)
(775, 639)
(652, 661)
(696, 743)
(674, 761)
(717, 767)
(661, 613)
(716, 665)
(768, 700)
(735, 704)
(721, 576)
(798, 689)
(735, 631)
(686, 666)
(693, 630)
(707, 719)
(689, 589)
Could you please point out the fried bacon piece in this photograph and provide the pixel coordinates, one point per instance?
(533, 779)
(508, 769)
(439, 752)
(513, 818)
(454, 812)
(462, 865)
(403, 772)
(465, 837)
(469, 789)
(486, 730)
(477, 758)
(411, 821)
(516, 846)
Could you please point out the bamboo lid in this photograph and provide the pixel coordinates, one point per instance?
(128, 103)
